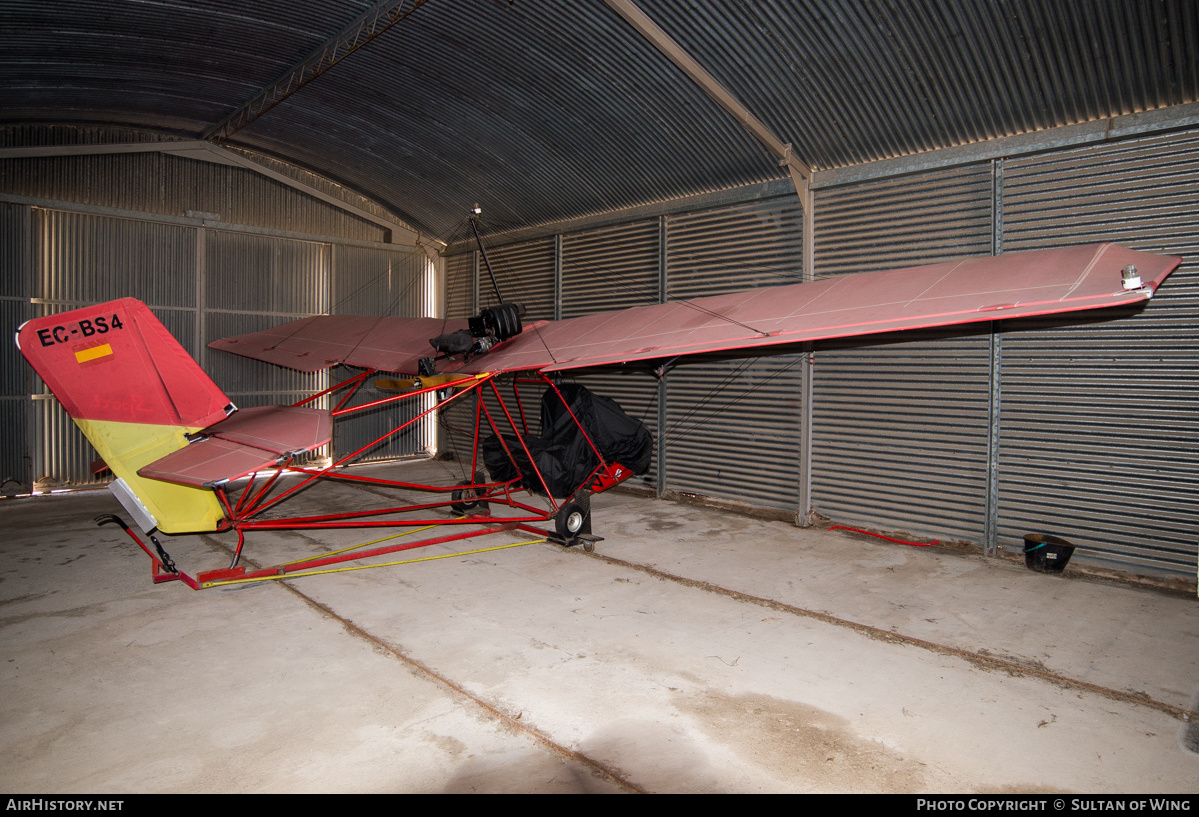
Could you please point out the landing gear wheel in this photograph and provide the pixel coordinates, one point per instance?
(572, 522)
(466, 498)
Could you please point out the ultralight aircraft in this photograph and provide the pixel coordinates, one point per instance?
(186, 460)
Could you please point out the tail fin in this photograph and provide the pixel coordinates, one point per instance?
(134, 392)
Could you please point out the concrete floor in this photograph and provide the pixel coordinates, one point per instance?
(695, 651)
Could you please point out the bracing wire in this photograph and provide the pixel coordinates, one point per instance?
(677, 429)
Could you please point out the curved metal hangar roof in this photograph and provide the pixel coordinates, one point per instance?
(541, 111)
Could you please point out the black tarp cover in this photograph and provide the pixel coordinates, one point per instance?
(561, 452)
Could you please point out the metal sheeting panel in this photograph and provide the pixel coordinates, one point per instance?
(611, 268)
(900, 434)
(369, 281)
(14, 297)
(903, 221)
(1098, 433)
(733, 428)
(538, 112)
(61, 456)
(14, 244)
(276, 275)
(460, 286)
(86, 258)
(51, 134)
(253, 283)
(900, 430)
(851, 81)
(16, 377)
(547, 111)
(711, 252)
(525, 273)
(15, 458)
(18, 384)
(364, 430)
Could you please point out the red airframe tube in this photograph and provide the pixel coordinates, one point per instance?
(369, 445)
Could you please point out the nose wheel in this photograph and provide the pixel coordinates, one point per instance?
(573, 523)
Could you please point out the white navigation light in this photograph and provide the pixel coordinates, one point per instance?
(1132, 278)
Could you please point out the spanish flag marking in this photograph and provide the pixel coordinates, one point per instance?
(93, 353)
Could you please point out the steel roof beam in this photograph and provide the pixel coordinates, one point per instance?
(368, 25)
(801, 174)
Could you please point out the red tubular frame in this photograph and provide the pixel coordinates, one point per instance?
(254, 499)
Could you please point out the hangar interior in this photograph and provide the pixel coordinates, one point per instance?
(237, 165)
(322, 158)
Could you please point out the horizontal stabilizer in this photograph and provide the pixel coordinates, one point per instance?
(209, 462)
(280, 429)
(249, 440)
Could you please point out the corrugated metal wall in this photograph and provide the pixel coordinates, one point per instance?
(15, 407)
(460, 286)
(525, 273)
(900, 428)
(611, 268)
(732, 431)
(1099, 418)
(202, 283)
(252, 283)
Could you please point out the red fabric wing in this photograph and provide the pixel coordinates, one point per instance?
(989, 288)
(957, 292)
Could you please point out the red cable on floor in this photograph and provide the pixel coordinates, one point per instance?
(888, 538)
